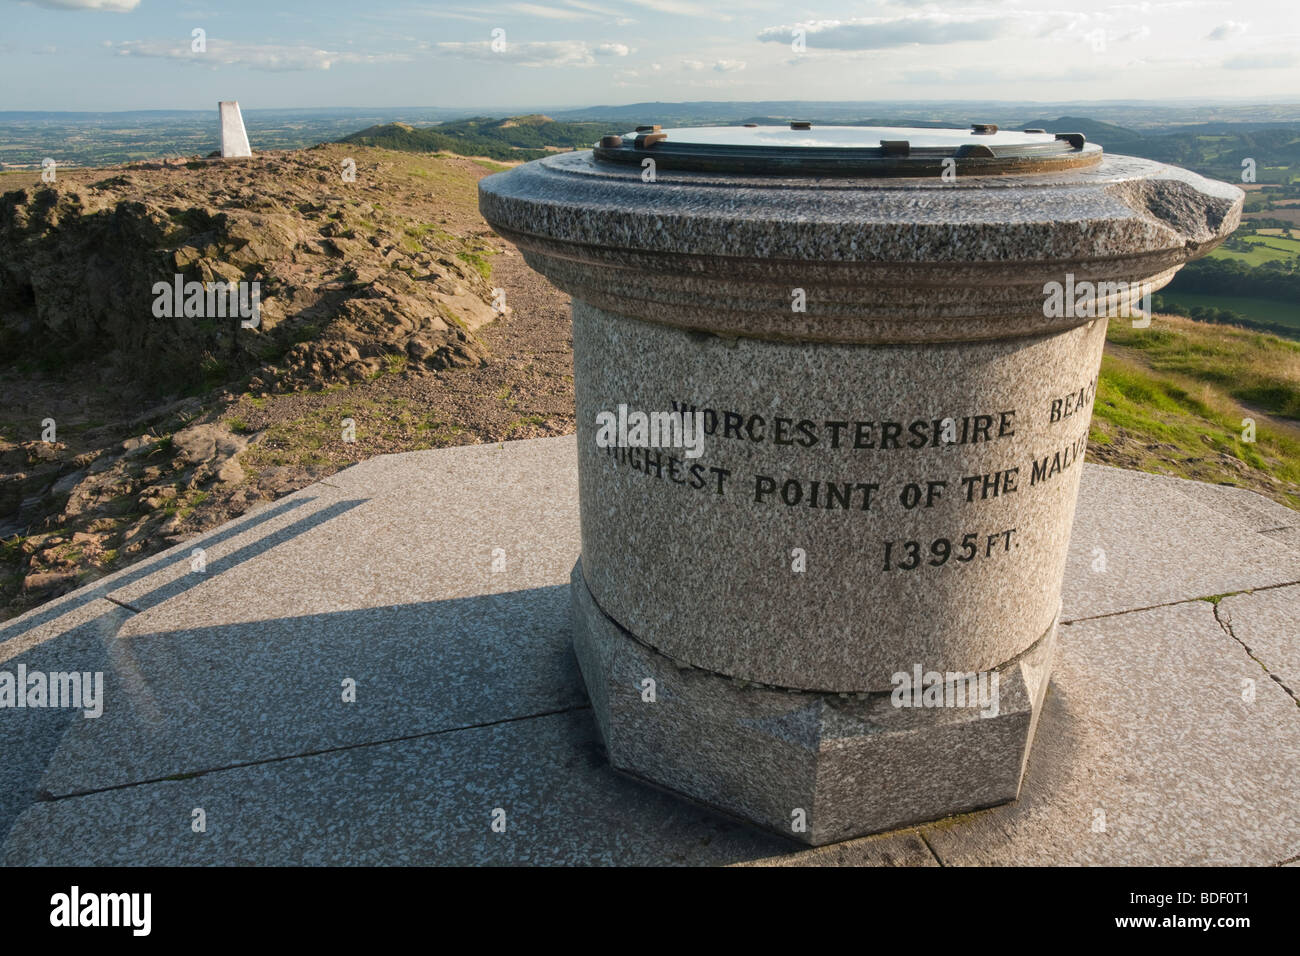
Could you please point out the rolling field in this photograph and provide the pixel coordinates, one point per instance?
(1267, 311)
(1266, 249)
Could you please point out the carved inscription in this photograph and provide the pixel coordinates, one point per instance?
(859, 486)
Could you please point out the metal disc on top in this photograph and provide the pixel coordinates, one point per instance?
(805, 149)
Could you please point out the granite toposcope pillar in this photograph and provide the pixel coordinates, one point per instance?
(833, 612)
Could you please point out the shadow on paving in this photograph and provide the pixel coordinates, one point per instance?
(31, 735)
(461, 705)
(60, 606)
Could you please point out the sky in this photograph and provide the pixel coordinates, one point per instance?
(516, 54)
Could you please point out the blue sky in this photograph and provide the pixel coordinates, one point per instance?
(136, 54)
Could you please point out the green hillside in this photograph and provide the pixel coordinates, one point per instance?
(513, 138)
(1174, 399)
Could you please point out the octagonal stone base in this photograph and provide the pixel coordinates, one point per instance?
(818, 767)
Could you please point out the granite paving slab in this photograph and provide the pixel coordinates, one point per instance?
(425, 526)
(899, 848)
(183, 701)
(208, 557)
(144, 576)
(1268, 624)
(445, 600)
(75, 641)
(1290, 537)
(1249, 508)
(1148, 752)
(422, 801)
(437, 581)
(1140, 543)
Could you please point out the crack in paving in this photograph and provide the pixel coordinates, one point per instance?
(1152, 607)
(1227, 629)
(938, 859)
(47, 797)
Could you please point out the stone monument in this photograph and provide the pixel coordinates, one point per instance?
(833, 611)
(234, 139)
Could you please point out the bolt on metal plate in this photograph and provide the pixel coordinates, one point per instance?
(868, 151)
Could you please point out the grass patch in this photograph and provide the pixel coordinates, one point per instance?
(479, 258)
(1267, 312)
(1173, 399)
(1255, 368)
(521, 423)
(1216, 598)
(315, 438)
(11, 549)
(445, 311)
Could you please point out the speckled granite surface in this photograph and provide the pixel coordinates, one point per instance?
(228, 692)
(899, 415)
(706, 571)
(942, 260)
(844, 765)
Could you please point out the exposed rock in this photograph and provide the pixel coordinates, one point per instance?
(200, 444)
(52, 582)
(230, 472)
(65, 484)
(358, 287)
(80, 267)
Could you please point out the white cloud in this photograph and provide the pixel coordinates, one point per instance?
(718, 66)
(596, 8)
(271, 57)
(879, 33)
(1258, 61)
(539, 53)
(114, 6)
(568, 10)
(931, 26)
(1141, 33)
(1227, 29)
(682, 8)
(548, 13)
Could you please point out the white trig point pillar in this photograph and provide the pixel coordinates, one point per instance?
(234, 140)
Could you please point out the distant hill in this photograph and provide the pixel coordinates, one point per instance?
(1136, 114)
(515, 137)
(1114, 139)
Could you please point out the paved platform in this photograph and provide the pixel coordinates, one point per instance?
(1170, 732)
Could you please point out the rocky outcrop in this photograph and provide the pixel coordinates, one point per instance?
(344, 285)
(357, 280)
